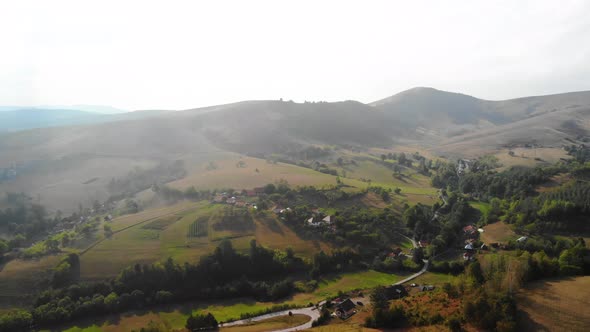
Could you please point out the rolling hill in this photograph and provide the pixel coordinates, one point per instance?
(77, 161)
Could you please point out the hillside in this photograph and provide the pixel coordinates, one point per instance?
(74, 163)
(432, 116)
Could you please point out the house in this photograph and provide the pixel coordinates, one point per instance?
(522, 239)
(469, 230)
(469, 247)
(327, 220)
(423, 244)
(345, 309)
(250, 193)
(240, 203)
(396, 252)
(425, 288)
(231, 200)
(313, 223)
(259, 190)
(396, 292)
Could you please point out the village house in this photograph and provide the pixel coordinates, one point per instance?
(470, 231)
(423, 244)
(345, 309)
(317, 222)
(396, 292)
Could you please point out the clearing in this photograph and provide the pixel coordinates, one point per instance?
(556, 305)
(497, 232)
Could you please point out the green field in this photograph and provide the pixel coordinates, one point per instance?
(482, 207)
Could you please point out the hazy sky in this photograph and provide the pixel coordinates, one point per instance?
(184, 54)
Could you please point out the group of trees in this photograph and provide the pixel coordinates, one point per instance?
(223, 274)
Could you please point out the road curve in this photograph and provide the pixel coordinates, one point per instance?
(311, 312)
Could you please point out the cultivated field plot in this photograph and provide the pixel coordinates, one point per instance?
(557, 305)
(530, 157)
(153, 235)
(19, 278)
(497, 232)
(273, 233)
(186, 232)
(226, 174)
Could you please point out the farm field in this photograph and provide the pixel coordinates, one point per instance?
(174, 232)
(556, 305)
(175, 315)
(526, 156)
(497, 232)
(434, 278)
(19, 278)
(228, 175)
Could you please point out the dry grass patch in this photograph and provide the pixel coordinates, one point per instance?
(272, 233)
(557, 305)
(497, 232)
(227, 175)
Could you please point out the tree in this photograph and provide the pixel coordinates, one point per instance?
(340, 161)
(17, 320)
(383, 157)
(200, 322)
(379, 298)
(108, 231)
(3, 247)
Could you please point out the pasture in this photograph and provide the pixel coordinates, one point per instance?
(20, 278)
(497, 232)
(185, 232)
(556, 305)
(254, 172)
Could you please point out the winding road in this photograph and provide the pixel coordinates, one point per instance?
(312, 312)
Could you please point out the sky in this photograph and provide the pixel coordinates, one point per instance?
(185, 54)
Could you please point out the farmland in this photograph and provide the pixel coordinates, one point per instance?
(556, 305)
(253, 172)
(497, 232)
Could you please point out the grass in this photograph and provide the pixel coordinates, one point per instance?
(20, 278)
(137, 244)
(497, 232)
(170, 236)
(483, 207)
(271, 324)
(329, 287)
(556, 305)
(434, 278)
(227, 175)
(273, 233)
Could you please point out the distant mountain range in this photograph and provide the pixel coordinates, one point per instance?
(21, 118)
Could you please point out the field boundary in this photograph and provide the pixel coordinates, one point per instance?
(127, 227)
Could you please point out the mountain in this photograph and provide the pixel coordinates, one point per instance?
(19, 118)
(441, 119)
(75, 162)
